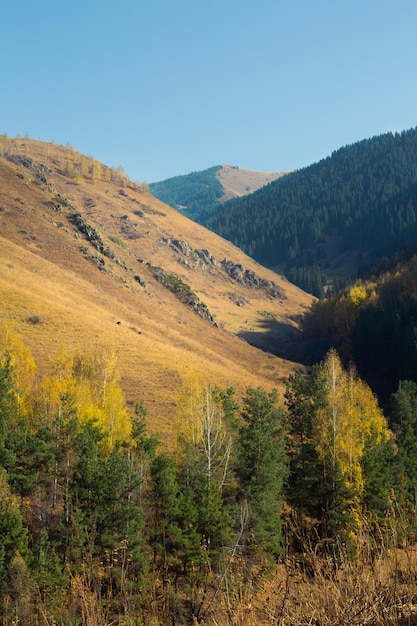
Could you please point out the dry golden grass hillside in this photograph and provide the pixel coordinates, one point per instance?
(238, 181)
(91, 262)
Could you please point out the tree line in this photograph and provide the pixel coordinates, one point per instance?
(100, 523)
(363, 194)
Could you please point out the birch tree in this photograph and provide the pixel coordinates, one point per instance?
(348, 418)
(205, 447)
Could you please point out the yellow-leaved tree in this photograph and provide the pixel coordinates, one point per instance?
(348, 416)
(55, 386)
(203, 426)
(24, 368)
(91, 381)
(204, 452)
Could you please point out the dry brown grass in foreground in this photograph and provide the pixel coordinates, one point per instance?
(382, 593)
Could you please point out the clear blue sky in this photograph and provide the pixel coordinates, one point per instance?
(166, 87)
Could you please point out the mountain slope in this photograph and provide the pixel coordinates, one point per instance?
(372, 323)
(92, 263)
(202, 193)
(334, 218)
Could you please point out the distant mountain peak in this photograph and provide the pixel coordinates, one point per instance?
(238, 181)
(202, 193)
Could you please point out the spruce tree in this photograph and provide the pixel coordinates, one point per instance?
(305, 481)
(403, 413)
(13, 532)
(205, 448)
(263, 466)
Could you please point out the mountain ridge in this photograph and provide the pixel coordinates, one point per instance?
(322, 225)
(82, 254)
(239, 181)
(334, 219)
(204, 192)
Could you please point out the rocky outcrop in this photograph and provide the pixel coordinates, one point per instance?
(93, 237)
(249, 279)
(203, 259)
(206, 258)
(183, 292)
(189, 256)
(59, 203)
(40, 170)
(180, 246)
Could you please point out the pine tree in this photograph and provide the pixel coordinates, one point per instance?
(105, 522)
(262, 466)
(13, 533)
(173, 536)
(403, 414)
(305, 481)
(8, 404)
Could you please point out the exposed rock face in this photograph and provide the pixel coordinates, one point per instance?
(191, 257)
(178, 245)
(93, 237)
(39, 169)
(183, 292)
(202, 258)
(193, 301)
(206, 258)
(140, 280)
(240, 275)
(91, 234)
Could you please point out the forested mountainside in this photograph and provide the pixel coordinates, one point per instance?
(199, 194)
(334, 219)
(191, 193)
(372, 323)
(150, 470)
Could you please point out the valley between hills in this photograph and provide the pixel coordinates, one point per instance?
(238, 511)
(91, 263)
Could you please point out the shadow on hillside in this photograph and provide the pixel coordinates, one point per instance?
(286, 342)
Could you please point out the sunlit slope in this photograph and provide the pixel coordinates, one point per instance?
(90, 262)
(238, 181)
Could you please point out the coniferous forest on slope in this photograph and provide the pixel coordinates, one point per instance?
(372, 322)
(363, 195)
(192, 194)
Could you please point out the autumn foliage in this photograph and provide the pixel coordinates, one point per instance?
(100, 525)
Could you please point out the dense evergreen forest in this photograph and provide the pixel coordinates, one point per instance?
(373, 322)
(254, 514)
(192, 194)
(361, 201)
